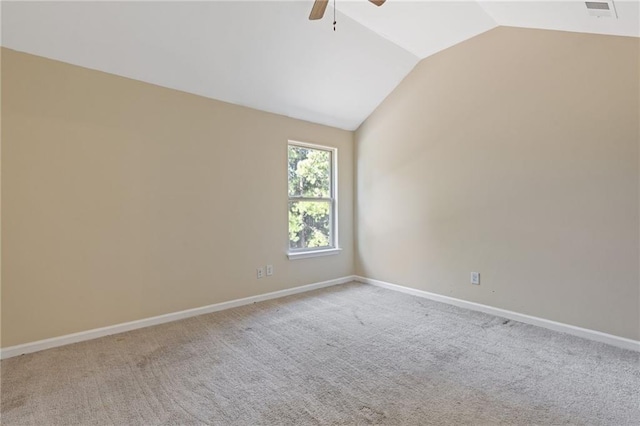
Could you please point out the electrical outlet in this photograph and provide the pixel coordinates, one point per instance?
(269, 270)
(475, 278)
(260, 272)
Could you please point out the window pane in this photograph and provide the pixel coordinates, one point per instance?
(309, 172)
(309, 224)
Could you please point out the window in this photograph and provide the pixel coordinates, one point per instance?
(312, 200)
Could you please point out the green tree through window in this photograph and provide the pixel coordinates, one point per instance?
(311, 202)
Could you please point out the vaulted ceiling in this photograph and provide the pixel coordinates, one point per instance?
(267, 55)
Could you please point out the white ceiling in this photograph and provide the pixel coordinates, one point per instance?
(421, 27)
(565, 16)
(268, 55)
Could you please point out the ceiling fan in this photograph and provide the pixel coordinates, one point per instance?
(319, 7)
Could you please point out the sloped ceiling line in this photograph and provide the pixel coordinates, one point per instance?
(267, 54)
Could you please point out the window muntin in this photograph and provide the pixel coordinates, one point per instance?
(312, 204)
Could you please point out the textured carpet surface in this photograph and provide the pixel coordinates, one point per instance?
(351, 354)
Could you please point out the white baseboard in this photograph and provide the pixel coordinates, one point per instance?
(54, 342)
(175, 316)
(586, 333)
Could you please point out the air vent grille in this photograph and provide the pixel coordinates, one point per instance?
(601, 9)
(597, 5)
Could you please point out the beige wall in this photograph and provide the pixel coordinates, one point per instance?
(514, 154)
(123, 200)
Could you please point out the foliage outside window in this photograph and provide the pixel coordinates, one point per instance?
(311, 198)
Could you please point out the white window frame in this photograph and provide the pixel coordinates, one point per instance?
(334, 248)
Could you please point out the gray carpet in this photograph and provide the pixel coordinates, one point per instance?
(351, 354)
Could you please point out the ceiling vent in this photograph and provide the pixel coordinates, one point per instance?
(601, 9)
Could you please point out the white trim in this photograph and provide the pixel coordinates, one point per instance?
(312, 145)
(82, 336)
(334, 235)
(295, 255)
(598, 336)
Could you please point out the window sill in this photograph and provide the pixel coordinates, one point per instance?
(295, 255)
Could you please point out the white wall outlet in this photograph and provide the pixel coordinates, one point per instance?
(260, 272)
(475, 278)
(269, 270)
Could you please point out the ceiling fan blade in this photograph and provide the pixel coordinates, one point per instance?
(318, 9)
(377, 2)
